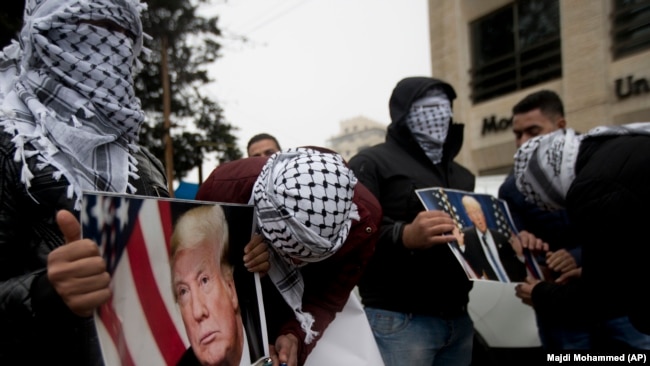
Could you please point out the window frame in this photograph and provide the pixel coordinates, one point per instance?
(632, 44)
(517, 59)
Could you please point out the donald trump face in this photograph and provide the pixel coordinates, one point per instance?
(204, 288)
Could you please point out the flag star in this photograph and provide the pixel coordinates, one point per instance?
(123, 213)
(84, 208)
(97, 213)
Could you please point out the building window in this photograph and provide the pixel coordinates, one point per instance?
(515, 47)
(630, 27)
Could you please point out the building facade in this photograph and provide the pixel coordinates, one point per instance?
(594, 53)
(356, 134)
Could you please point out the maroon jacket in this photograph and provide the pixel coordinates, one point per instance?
(328, 283)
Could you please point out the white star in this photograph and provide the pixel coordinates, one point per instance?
(96, 212)
(107, 210)
(123, 212)
(84, 206)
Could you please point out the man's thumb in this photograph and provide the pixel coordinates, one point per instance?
(68, 225)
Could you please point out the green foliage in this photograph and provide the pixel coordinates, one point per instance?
(198, 125)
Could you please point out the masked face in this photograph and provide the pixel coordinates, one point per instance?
(91, 50)
(429, 120)
(102, 58)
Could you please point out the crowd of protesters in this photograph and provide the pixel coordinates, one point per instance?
(69, 123)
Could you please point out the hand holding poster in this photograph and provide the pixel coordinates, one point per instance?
(171, 312)
(486, 244)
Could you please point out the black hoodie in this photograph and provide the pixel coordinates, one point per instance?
(428, 281)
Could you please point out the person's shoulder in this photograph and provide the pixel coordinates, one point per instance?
(508, 188)
(363, 197)
(372, 153)
(232, 181)
(7, 147)
(377, 148)
(463, 169)
(148, 159)
(238, 169)
(464, 178)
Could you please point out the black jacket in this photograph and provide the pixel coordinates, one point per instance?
(425, 281)
(608, 204)
(35, 325)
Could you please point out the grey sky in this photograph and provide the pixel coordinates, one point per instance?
(310, 64)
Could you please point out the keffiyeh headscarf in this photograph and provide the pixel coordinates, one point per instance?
(72, 103)
(303, 200)
(545, 165)
(429, 120)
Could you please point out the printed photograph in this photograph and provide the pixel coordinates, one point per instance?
(485, 245)
(180, 292)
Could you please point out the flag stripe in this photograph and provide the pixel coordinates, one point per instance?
(113, 326)
(137, 333)
(156, 232)
(164, 209)
(109, 352)
(160, 323)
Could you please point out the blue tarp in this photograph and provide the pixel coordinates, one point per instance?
(186, 190)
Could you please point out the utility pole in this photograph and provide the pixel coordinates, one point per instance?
(169, 149)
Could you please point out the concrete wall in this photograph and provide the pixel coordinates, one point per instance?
(588, 84)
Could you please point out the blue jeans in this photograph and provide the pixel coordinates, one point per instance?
(418, 340)
(559, 338)
(623, 333)
(614, 333)
(564, 339)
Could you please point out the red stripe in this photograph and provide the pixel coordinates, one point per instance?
(162, 327)
(166, 219)
(114, 328)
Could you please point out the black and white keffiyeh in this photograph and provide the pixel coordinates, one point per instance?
(429, 120)
(636, 128)
(304, 208)
(72, 103)
(545, 165)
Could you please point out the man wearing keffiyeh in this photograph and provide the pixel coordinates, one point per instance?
(321, 226)
(602, 179)
(69, 122)
(539, 113)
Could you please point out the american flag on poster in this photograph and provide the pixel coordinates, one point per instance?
(441, 201)
(495, 209)
(141, 324)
